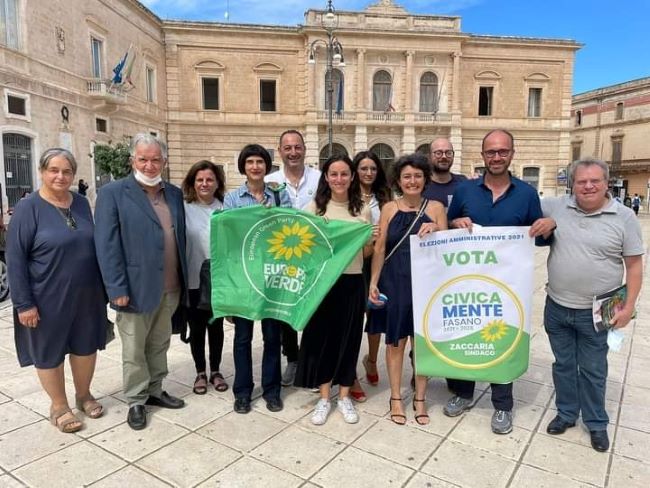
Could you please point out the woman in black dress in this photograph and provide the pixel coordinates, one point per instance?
(58, 310)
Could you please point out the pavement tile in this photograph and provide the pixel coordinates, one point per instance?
(525, 415)
(297, 404)
(475, 431)
(14, 416)
(4, 399)
(421, 480)
(108, 380)
(399, 443)
(242, 432)
(539, 374)
(635, 395)
(248, 472)
(7, 481)
(114, 414)
(635, 417)
(567, 459)
(199, 410)
(77, 465)
(20, 384)
(531, 477)
(131, 444)
(336, 429)
(24, 445)
(450, 463)
(633, 444)
(578, 434)
(294, 450)
(529, 392)
(362, 470)
(201, 459)
(130, 477)
(629, 473)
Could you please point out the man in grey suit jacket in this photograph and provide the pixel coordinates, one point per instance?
(140, 242)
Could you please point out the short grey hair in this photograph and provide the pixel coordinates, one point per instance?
(573, 167)
(147, 140)
(54, 152)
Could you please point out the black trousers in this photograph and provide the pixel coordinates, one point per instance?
(199, 322)
(289, 343)
(501, 394)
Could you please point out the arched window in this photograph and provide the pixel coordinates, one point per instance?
(429, 92)
(337, 150)
(382, 91)
(531, 176)
(337, 93)
(385, 154)
(424, 149)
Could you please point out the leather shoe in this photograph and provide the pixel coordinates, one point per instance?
(242, 405)
(558, 426)
(599, 440)
(137, 417)
(274, 404)
(166, 401)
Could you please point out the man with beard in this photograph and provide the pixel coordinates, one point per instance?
(495, 199)
(443, 181)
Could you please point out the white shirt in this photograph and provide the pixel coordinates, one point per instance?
(306, 191)
(197, 232)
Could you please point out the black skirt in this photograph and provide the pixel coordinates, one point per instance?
(330, 343)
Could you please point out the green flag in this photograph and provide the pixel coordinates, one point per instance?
(278, 262)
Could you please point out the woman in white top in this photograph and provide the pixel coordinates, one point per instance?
(203, 188)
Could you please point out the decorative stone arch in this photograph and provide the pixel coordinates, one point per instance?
(267, 68)
(487, 75)
(537, 77)
(338, 148)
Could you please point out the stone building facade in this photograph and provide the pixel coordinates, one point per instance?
(613, 123)
(406, 79)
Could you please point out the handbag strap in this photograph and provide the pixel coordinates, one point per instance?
(408, 231)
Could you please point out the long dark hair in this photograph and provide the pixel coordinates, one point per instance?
(188, 183)
(324, 193)
(380, 186)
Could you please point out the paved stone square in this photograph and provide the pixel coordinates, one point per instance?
(207, 444)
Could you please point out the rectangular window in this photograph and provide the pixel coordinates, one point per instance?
(617, 150)
(575, 151)
(534, 102)
(9, 23)
(16, 105)
(578, 118)
(531, 176)
(485, 100)
(150, 82)
(101, 125)
(619, 111)
(96, 46)
(267, 96)
(210, 93)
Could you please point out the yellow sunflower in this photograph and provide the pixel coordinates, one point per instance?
(494, 331)
(291, 241)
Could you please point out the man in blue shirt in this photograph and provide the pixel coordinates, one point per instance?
(496, 199)
(443, 181)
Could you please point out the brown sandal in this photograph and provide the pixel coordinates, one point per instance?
(67, 426)
(422, 419)
(216, 379)
(91, 407)
(200, 384)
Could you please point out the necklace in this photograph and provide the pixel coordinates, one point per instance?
(66, 213)
(367, 195)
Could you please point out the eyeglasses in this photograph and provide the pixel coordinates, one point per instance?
(438, 154)
(583, 183)
(503, 153)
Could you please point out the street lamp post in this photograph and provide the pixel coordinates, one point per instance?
(334, 51)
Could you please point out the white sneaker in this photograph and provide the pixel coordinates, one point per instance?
(345, 406)
(321, 411)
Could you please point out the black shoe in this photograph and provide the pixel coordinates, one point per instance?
(137, 417)
(165, 401)
(599, 440)
(558, 426)
(274, 404)
(242, 405)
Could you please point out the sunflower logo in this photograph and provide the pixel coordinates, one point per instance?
(494, 331)
(291, 241)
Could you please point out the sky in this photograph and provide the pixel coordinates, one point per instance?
(612, 32)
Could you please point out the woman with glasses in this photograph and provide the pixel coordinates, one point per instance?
(203, 189)
(255, 163)
(391, 273)
(58, 310)
(375, 192)
(330, 343)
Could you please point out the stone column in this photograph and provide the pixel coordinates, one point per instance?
(360, 138)
(361, 80)
(312, 145)
(455, 97)
(408, 79)
(408, 140)
(311, 84)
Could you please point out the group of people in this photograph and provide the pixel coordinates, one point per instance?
(145, 252)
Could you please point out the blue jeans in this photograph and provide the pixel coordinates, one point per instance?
(580, 367)
(243, 358)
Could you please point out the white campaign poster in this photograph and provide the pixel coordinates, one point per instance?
(472, 295)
